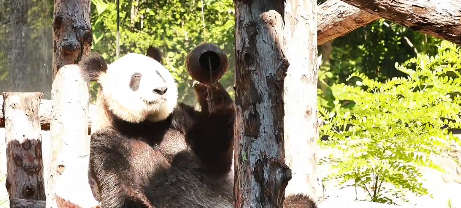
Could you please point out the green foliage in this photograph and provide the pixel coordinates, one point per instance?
(175, 26)
(373, 50)
(385, 131)
(449, 204)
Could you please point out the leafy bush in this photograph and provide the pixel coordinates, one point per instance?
(386, 130)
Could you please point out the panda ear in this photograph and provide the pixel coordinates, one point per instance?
(93, 64)
(154, 53)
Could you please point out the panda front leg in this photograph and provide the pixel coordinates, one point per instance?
(111, 159)
(212, 135)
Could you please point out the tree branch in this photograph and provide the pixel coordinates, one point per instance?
(440, 19)
(336, 18)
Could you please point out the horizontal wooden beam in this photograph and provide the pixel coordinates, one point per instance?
(44, 113)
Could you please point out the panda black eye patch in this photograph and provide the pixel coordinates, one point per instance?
(135, 80)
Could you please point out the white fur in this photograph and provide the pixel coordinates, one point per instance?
(130, 105)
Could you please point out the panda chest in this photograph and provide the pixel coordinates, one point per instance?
(168, 143)
(164, 137)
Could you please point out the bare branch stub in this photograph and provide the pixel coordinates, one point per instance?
(24, 146)
(72, 35)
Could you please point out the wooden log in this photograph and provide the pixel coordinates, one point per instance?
(70, 144)
(24, 147)
(44, 114)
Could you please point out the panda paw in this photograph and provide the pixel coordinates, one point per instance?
(214, 99)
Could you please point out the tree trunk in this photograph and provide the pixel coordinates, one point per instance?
(300, 96)
(336, 18)
(437, 18)
(260, 173)
(72, 34)
(19, 69)
(22, 39)
(24, 147)
(72, 39)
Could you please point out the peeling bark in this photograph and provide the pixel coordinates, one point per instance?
(336, 18)
(72, 36)
(260, 173)
(300, 97)
(24, 147)
(441, 19)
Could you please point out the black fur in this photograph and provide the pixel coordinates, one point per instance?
(154, 53)
(93, 64)
(183, 161)
(137, 163)
(299, 201)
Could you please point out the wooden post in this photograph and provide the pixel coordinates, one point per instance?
(260, 173)
(300, 97)
(70, 140)
(24, 148)
(67, 185)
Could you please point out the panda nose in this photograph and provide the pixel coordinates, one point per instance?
(160, 90)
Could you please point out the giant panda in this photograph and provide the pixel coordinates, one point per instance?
(148, 150)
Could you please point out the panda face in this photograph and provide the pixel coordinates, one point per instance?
(136, 87)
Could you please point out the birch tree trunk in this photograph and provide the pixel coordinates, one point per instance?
(300, 96)
(260, 173)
